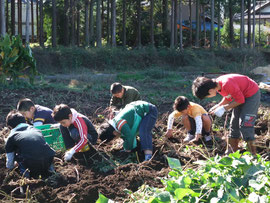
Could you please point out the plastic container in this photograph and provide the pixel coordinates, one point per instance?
(52, 136)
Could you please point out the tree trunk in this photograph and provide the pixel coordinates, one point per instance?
(12, 17)
(212, 24)
(72, 14)
(249, 23)
(27, 21)
(172, 25)
(19, 4)
(152, 23)
(124, 23)
(242, 24)
(254, 23)
(180, 28)
(231, 33)
(204, 27)
(91, 23)
(32, 21)
(190, 21)
(260, 25)
(54, 23)
(113, 23)
(41, 34)
(78, 18)
(99, 43)
(219, 24)
(7, 16)
(86, 23)
(3, 21)
(66, 22)
(139, 31)
(175, 22)
(165, 16)
(37, 17)
(102, 19)
(197, 40)
(108, 23)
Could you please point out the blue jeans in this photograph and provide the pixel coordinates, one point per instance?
(146, 126)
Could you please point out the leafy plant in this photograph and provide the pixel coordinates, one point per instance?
(16, 60)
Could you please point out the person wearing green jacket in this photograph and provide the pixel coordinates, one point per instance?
(137, 117)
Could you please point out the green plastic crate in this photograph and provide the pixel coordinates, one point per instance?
(52, 136)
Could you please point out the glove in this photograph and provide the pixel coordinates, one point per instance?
(69, 154)
(219, 111)
(10, 160)
(213, 108)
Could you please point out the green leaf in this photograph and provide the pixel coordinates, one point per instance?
(102, 199)
(226, 161)
(174, 163)
(164, 197)
(182, 192)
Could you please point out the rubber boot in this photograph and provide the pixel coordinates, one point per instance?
(233, 145)
(251, 147)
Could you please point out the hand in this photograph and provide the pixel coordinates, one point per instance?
(197, 137)
(69, 154)
(169, 133)
(219, 111)
(211, 111)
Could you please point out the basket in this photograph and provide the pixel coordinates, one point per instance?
(52, 136)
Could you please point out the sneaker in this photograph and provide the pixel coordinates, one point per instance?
(189, 137)
(147, 157)
(207, 138)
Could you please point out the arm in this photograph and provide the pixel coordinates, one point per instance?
(231, 105)
(169, 125)
(82, 128)
(128, 137)
(10, 160)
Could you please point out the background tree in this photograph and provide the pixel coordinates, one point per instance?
(242, 24)
(139, 29)
(172, 24)
(91, 23)
(41, 34)
(113, 23)
(212, 39)
(197, 23)
(180, 27)
(54, 23)
(66, 22)
(27, 21)
(3, 20)
(98, 17)
(12, 17)
(124, 37)
(86, 23)
(249, 22)
(152, 23)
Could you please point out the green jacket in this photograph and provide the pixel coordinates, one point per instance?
(130, 94)
(127, 122)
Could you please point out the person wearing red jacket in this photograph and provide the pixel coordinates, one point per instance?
(241, 94)
(76, 129)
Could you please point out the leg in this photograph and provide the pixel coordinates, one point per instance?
(145, 129)
(248, 117)
(207, 123)
(68, 141)
(92, 133)
(189, 124)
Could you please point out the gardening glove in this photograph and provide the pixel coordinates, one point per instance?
(219, 111)
(69, 154)
(10, 160)
(213, 108)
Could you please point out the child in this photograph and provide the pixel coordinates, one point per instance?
(35, 114)
(138, 116)
(121, 96)
(77, 130)
(195, 119)
(241, 94)
(26, 145)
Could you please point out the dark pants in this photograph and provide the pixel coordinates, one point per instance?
(71, 134)
(35, 167)
(146, 126)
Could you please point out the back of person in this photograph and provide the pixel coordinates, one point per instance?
(43, 114)
(30, 143)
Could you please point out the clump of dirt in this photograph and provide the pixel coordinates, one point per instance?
(89, 174)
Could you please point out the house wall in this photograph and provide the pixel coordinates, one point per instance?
(265, 10)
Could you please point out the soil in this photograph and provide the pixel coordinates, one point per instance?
(88, 173)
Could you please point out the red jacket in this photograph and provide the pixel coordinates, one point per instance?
(237, 87)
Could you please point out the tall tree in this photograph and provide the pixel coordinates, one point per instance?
(78, 18)
(165, 15)
(253, 26)
(12, 17)
(99, 44)
(190, 22)
(108, 23)
(86, 5)
(3, 20)
(19, 2)
(212, 23)
(242, 24)
(54, 23)
(231, 32)
(219, 23)
(41, 34)
(152, 22)
(37, 17)
(180, 27)
(172, 24)
(124, 23)
(7, 15)
(139, 27)
(66, 22)
(91, 23)
(32, 21)
(113, 23)
(197, 36)
(249, 22)
(72, 20)
(27, 21)
(102, 18)
(175, 22)
(204, 26)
